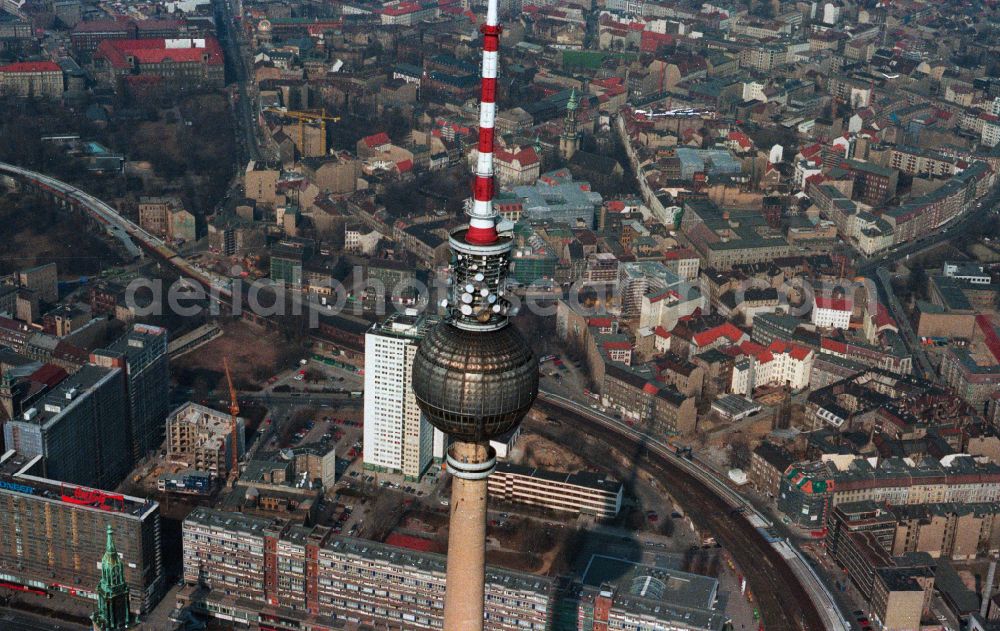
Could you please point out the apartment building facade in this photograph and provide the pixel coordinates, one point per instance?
(37, 79)
(397, 437)
(258, 570)
(584, 492)
(52, 535)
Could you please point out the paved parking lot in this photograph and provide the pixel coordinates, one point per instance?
(335, 378)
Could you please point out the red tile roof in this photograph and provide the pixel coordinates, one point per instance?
(526, 156)
(662, 332)
(836, 304)
(727, 330)
(617, 346)
(882, 317)
(741, 139)
(679, 253)
(404, 166)
(403, 8)
(811, 150)
(834, 346)
(797, 352)
(751, 348)
(608, 82)
(49, 374)
(650, 41)
(156, 51)
(32, 66)
(377, 140)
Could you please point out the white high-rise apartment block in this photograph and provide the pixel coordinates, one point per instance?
(396, 438)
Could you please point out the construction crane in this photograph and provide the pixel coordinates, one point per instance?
(304, 117)
(234, 413)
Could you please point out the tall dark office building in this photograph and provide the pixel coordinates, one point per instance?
(142, 355)
(80, 428)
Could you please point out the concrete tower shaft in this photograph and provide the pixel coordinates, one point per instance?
(474, 377)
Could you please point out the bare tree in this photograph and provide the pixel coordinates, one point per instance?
(739, 452)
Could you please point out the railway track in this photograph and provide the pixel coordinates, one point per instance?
(783, 602)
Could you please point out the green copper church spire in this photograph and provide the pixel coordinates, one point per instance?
(112, 592)
(569, 140)
(572, 103)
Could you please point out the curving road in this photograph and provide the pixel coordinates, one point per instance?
(133, 238)
(789, 594)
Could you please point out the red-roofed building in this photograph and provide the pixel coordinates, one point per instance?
(726, 332)
(651, 41)
(180, 64)
(514, 166)
(618, 351)
(374, 144)
(780, 364)
(834, 347)
(831, 313)
(661, 339)
(41, 79)
(603, 324)
(408, 13)
(877, 320)
(738, 142)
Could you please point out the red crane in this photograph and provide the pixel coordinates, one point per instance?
(234, 413)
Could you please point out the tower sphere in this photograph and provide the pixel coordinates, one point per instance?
(474, 384)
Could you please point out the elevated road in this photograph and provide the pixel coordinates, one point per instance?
(788, 592)
(133, 237)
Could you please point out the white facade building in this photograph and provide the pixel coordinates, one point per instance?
(969, 272)
(831, 13)
(831, 313)
(396, 438)
(991, 134)
(781, 364)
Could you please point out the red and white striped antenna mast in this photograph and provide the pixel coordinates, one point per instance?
(483, 218)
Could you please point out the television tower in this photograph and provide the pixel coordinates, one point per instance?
(474, 376)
